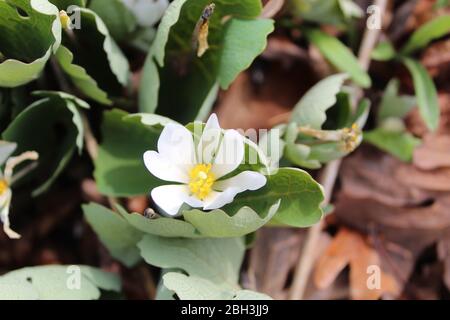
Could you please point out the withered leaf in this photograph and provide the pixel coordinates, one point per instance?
(350, 248)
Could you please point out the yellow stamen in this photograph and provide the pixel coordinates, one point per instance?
(3, 186)
(65, 19)
(350, 137)
(201, 180)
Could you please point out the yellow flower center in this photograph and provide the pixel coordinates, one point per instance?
(201, 180)
(3, 186)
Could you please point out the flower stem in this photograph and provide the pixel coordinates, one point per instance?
(329, 176)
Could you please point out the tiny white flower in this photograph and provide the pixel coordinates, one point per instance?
(199, 166)
(6, 192)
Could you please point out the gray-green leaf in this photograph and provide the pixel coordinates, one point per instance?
(339, 56)
(400, 144)
(53, 283)
(197, 288)
(310, 110)
(217, 260)
(36, 129)
(119, 167)
(27, 42)
(115, 233)
(426, 93)
(300, 196)
(428, 32)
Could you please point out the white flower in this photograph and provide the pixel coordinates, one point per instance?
(6, 192)
(201, 166)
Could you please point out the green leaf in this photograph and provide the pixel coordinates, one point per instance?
(309, 152)
(150, 119)
(51, 283)
(361, 114)
(327, 151)
(334, 12)
(384, 51)
(65, 4)
(72, 103)
(175, 77)
(114, 232)
(243, 41)
(434, 29)
(200, 224)
(394, 105)
(196, 288)
(17, 289)
(400, 144)
(350, 9)
(119, 167)
(85, 83)
(218, 223)
(425, 92)
(160, 226)
(310, 110)
(339, 56)
(28, 38)
(169, 19)
(217, 260)
(119, 20)
(103, 280)
(99, 55)
(300, 196)
(51, 126)
(298, 154)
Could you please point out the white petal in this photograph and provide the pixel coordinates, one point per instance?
(164, 169)
(247, 180)
(170, 198)
(209, 141)
(4, 215)
(229, 188)
(230, 154)
(177, 145)
(216, 200)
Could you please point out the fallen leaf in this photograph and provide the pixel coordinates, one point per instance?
(350, 248)
(435, 180)
(436, 58)
(434, 152)
(265, 273)
(417, 127)
(371, 174)
(444, 255)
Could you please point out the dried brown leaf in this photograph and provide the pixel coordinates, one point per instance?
(434, 152)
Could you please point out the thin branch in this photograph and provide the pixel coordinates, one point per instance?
(329, 176)
(89, 139)
(23, 172)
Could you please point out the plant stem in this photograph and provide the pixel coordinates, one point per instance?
(329, 175)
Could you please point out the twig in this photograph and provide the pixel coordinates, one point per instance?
(62, 81)
(23, 172)
(271, 8)
(329, 175)
(89, 139)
